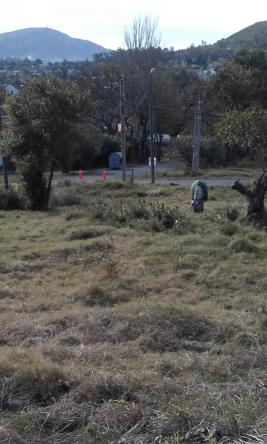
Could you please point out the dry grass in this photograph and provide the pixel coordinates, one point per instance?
(119, 326)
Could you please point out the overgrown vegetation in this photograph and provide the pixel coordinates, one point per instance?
(113, 331)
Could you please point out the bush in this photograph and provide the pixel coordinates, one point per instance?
(213, 152)
(10, 200)
(243, 246)
(108, 146)
(65, 199)
(97, 296)
(232, 214)
(86, 233)
(33, 382)
(64, 183)
(228, 229)
(34, 184)
(141, 214)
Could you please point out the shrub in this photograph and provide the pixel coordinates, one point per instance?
(10, 200)
(243, 246)
(86, 233)
(137, 210)
(140, 214)
(97, 296)
(64, 183)
(30, 382)
(100, 388)
(65, 198)
(232, 214)
(34, 185)
(228, 229)
(212, 151)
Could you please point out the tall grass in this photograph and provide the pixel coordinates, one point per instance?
(126, 318)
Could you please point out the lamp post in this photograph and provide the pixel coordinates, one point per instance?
(152, 165)
(123, 136)
(197, 137)
(3, 155)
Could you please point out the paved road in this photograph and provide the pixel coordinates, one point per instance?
(142, 176)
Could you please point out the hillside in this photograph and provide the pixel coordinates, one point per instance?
(252, 37)
(46, 44)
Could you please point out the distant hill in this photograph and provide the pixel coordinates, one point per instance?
(46, 44)
(252, 37)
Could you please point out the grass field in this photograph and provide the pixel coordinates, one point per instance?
(126, 318)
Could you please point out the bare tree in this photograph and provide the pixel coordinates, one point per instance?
(141, 54)
(142, 34)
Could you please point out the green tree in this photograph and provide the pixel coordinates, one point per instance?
(43, 132)
(240, 83)
(247, 129)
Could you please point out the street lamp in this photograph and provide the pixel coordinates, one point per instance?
(152, 165)
(123, 135)
(3, 155)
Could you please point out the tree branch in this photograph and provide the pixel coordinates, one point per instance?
(242, 189)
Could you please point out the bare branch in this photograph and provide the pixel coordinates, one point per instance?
(142, 34)
(242, 189)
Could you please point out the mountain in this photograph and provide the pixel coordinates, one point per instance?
(252, 37)
(204, 56)
(46, 44)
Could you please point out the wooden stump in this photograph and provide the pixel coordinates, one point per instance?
(254, 197)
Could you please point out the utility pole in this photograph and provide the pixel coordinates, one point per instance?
(197, 137)
(123, 136)
(152, 154)
(6, 185)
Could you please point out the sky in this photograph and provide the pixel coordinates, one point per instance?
(180, 22)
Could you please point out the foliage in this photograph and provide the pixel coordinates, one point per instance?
(243, 245)
(240, 86)
(89, 141)
(142, 214)
(102, 80)
(174, 94)
(11, 200)
(42, 132)
(248, 130)
(108, 146)
(230, 88)
(213, 151)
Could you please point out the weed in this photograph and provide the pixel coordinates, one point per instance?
(86, 233)
(97, 296)
(64, 198)
(115, 329)
(99, 388)
(232, 214)
(243, 245)
(64, 183)
(229, 229)
(31, 383)
(11, 200)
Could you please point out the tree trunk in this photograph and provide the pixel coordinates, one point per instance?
(5, 173)
(255, 197)
(49, 184)
(142, 140)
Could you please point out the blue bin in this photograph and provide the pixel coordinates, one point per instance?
(115, 161)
